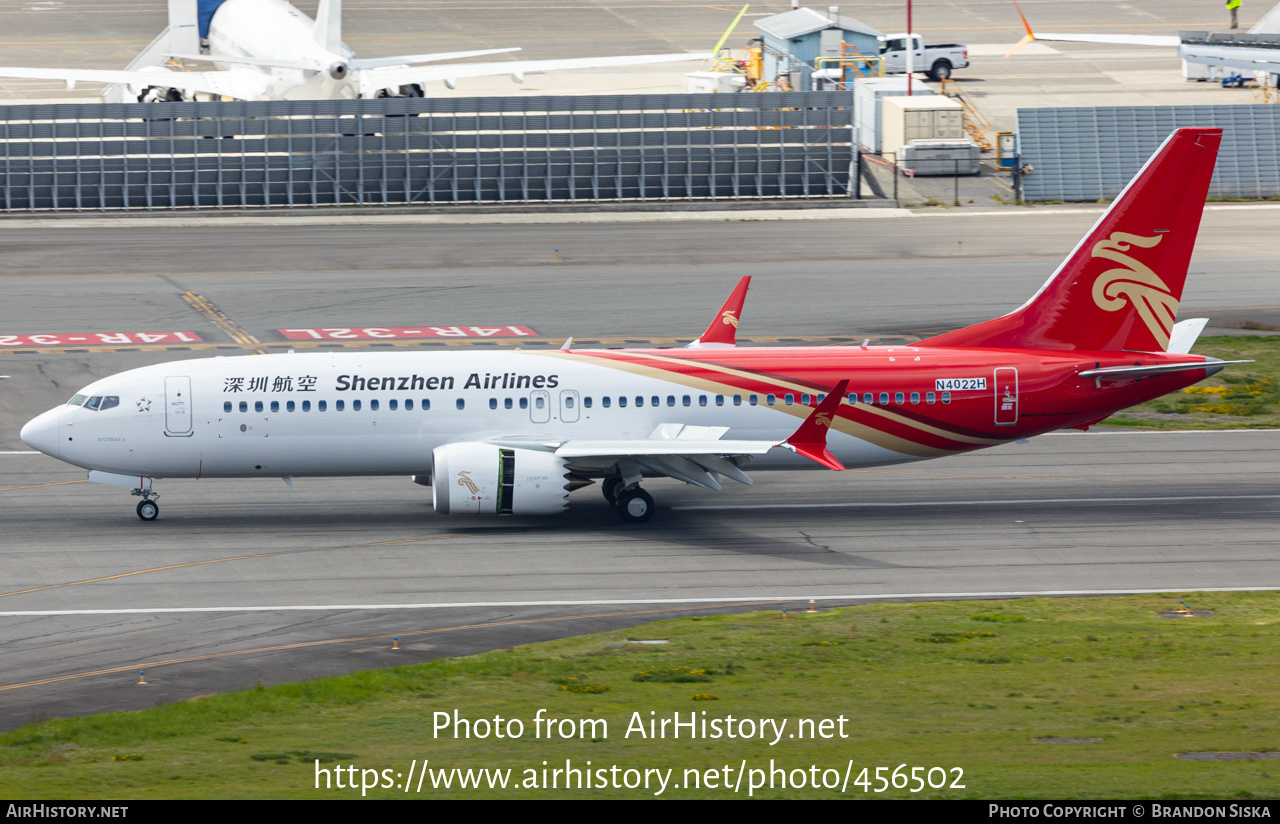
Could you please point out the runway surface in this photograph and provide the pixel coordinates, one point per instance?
(241, 581)
(246, 581)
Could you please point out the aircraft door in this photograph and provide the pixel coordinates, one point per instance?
(539, 406)
(569, 401)
(1006, 390)
(177, 407)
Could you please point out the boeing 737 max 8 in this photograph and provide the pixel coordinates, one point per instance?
(513, 432)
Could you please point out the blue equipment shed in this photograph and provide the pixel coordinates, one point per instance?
(794, 40)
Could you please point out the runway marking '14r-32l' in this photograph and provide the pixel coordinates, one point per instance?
(99, 338)
(394, 332)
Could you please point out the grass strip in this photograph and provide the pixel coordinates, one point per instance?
(972, 685)
(1239, 397)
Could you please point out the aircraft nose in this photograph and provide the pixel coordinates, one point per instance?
(41, 432)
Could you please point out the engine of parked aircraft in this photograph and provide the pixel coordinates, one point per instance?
(484, 479)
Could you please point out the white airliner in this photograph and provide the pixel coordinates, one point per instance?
(268, 50)
(513, 432)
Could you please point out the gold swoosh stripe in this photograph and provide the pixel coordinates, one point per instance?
(875, 410)
(861, 431)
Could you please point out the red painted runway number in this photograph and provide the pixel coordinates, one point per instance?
(403, 332)
(99, 338)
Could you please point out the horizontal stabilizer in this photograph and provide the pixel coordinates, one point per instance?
(409, 59)
(1125, 373)
(265, 62)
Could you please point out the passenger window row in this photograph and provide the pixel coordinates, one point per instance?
(323, 406)
(606, 402)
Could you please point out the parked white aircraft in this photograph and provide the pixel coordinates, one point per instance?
(514, 432)
(268, 50)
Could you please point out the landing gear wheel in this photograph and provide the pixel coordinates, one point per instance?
(635, 505)
(610, 487)
(148, 510)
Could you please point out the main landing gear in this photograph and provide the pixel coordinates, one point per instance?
(634, 505)
(148, 508)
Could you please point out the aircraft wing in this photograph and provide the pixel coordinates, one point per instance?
(1125, 39)
(371, 80)
(243, 85)
(696, 454)
(1120, 39)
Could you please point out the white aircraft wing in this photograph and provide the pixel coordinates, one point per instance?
(1119, 39)
(243, 85)
(694, 454)
(371, 80)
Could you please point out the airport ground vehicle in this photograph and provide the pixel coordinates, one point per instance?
(514, 432)
(936, 61)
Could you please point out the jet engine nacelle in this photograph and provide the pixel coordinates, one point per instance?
(339, 70)
(483, 479)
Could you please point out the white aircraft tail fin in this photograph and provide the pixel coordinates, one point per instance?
(184, 26)
(328, 30)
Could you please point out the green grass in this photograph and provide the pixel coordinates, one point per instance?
(953, 684)
(1239, 397)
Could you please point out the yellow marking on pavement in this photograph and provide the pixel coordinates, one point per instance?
(304, 644)
(38, 486)
(224, 560)
(219, 318)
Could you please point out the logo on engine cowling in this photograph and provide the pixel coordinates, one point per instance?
(1135, 284)
(464, 479)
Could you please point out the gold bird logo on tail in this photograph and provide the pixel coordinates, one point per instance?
(1136, 284)
(728, 317)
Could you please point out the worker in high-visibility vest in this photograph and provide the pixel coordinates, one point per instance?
(1233, 6)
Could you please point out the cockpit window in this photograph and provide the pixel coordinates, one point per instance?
(97, 403)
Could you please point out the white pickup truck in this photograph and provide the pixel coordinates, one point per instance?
(935, 61)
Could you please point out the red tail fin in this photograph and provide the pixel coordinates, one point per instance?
(1119, 288)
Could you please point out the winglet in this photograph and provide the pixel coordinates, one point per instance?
(723, 330)
(810, 439)
(567, 345)
(1029, 37)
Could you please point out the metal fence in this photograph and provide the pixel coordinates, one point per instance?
(405, 151)
(1088, 154)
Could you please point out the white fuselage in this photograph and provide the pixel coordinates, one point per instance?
(275, 30)
(383, 414)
